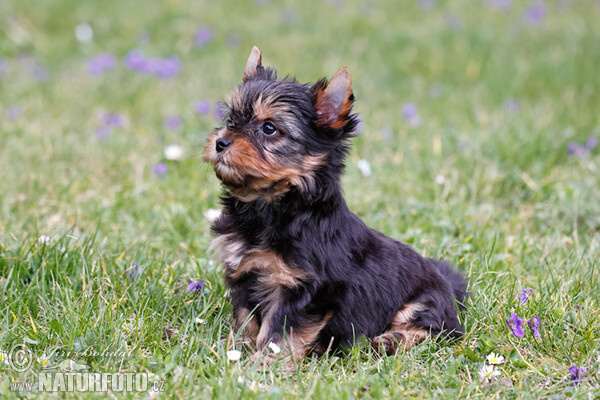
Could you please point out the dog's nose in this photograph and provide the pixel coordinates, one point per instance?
(222, 143)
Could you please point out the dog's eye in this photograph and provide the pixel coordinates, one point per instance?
(269, 129)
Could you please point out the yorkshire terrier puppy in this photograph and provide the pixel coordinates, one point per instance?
(304, 272)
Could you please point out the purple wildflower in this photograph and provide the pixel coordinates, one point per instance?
(426, 4)
(512, 106)
(516, 325)
(40, 73)
(202, 106)
(102, 132)
(576, 373)
(534, 325)
(160, 169)
(195, 286)
(134, 60)
(113, 120)
(101, 63)
(574, 148)
(500, 5)
(203, 36)
(13, 111)
(591, 143)
(172, 122)
(168, 67)
(524, 295)
(134, 271)
(409, 111)
(535, 14)
(2, 66)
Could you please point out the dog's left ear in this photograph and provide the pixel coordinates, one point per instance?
(333, 101)
(253, 64)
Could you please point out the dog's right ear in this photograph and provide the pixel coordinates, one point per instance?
(253, 64)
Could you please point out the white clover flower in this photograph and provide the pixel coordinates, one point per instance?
(440, 179)
(43, 239)
(274, 348)
(212, 214)
(364, 167)
(487, 372)
(174, 152)
(234, 355)
(495, 359)
(84, 33)
(241, 379)
(199, 321)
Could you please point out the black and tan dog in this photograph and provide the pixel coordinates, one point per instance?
(304, 272)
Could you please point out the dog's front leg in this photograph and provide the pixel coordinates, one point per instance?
(286, 324)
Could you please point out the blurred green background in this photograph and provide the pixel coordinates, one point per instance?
(478, 144)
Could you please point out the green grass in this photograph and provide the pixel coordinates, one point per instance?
(513, 209)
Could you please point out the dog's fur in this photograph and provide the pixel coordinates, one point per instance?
(303, 271)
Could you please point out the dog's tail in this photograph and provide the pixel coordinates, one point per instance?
(456, 280)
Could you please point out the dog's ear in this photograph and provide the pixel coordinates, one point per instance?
(333, 100)
(253, 64)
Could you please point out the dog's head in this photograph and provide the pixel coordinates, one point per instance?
(278, 134)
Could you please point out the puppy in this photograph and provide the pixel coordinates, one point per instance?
(304, 272)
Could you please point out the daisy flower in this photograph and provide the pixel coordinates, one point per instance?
(487, 372)
(495, 359)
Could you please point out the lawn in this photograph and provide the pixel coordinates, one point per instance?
(477, 145)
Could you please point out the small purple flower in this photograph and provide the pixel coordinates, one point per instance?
(172, 122)
(195, 286)
(134, 271)
(516, 325)
(500, 5)
(409, 111)
(2, 66)
(102, 132)
(203, 36)
(576, 373)
(524, 295)
(113, 120)
(534, 325)
(160, 169)
(591, 143)
(574, 148)
(202, 106)
(426, 4)
(512, 106)
(535, 14)
(40, 73)
(134, 60)
(168, 67)
(101, 63)
(13, 111)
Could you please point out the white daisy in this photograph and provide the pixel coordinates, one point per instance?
(234, 355)
(84, 32)
(495, 359)
(43, 360)
(3, 358)
(174, 152)
(487, 372)
(364, 167)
